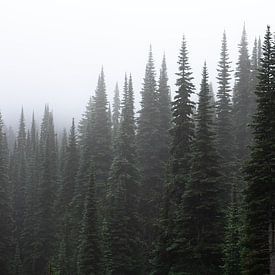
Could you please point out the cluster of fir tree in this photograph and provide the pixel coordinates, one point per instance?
(162, 193)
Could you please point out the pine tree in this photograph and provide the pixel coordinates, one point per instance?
(63, 152)
(89, 250)
(202, 228)
(182, 133)
(46, 195)
(102, 152)
(86, 146)
(122, 225)
(240, 100)
(224, 122)
(5, 207)
(19, 178)
(165, 114)
(259, 256)
(253, 79)
(116, 113)
(148, 137)
(29, 230)
(65, 201)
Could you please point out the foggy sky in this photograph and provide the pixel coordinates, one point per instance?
(52, 51)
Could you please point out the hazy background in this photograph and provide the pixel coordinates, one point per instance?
(52, 51)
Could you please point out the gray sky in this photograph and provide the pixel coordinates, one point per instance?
(52, 51)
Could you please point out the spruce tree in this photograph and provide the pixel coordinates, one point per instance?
(224, 122)
(260, 172)
(202, 228)
(165, 114)
(89, 251)
(182, 133)
(29, 230)
(123, 230)
(19, 178)
(241, 98)
(65, 202)
(148, 137)
(6, 222)
(116, 113)
(102, 150)
(44, 247)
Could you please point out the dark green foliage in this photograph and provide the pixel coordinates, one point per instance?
(224, 123)
(29, 231)
(150, 165)
(182, 133)
(47, 189)
(102, 152)
(241, 98)
(260, 172)
(123, 234)
(19, 178)
(116, 114)
(67, 243)
(165, 115)
(89, 250)
(232, 242)
(6, 222)
(202, 230)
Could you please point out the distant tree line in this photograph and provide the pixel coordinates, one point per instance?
(176, 188)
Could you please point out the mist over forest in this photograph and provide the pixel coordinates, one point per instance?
(121, 160)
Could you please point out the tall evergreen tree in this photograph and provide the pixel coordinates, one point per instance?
(182, 133)
(89, 250)
(259, 255)
(165, 114)
(102, 152)
(241, 98)
(29, 231)
(65, 203)
(150, 165)
(116, 113)
(6, 222)
(19, 178)
(123, 223)
(224, 122)
(201, 209)
(46, 195)
(253, 79)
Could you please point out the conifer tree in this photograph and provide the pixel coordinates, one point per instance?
(102, 151)
(150, 165)
(253, 79)
(46, 195)
(19, 178)
(259, 256)
(224, 122)
(202, 228)
(240, 100)
(165, 115)
(123, 223)
(29, 230)
(89, 251)
(116, 113)
(6, 222)
(182, 133)
(63, 152)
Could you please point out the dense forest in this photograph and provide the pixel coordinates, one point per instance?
(179, 187)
